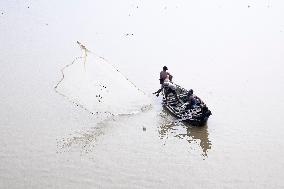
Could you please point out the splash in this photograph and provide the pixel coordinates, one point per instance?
(85, 140)
(98, 87)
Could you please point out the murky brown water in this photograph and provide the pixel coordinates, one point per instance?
(230, 53)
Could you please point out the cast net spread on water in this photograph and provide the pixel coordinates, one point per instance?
(97, 86)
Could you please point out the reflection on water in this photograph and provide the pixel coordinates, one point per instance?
(168, 127)
(199, 134)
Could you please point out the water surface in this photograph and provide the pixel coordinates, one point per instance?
(230, 53)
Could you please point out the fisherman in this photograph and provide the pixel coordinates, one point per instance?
(192, 99)
(164, 74)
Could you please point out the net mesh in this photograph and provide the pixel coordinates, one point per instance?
(97, 86)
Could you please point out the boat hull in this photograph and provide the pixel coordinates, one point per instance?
(196, 116)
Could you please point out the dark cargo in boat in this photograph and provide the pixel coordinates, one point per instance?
(198, 115)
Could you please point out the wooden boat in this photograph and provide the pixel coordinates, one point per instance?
(198, 115)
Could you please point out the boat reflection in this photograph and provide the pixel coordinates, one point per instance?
(169, 127)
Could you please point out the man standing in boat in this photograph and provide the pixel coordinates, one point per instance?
(168, 87)
(163, 75)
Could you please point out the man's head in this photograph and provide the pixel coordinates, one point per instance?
(165, 68)
(190, 92)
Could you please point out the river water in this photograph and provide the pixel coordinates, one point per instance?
(230, 53)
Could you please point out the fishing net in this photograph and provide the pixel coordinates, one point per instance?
(97, 86)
